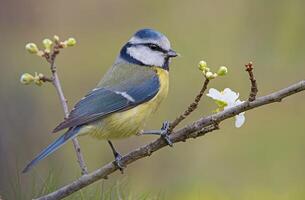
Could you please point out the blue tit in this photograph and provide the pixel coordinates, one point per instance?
(127, 95)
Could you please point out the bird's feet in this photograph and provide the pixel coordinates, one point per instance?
(118, 162)
(117, 157)
(163, 132)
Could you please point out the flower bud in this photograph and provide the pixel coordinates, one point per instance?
(56, 38)
(40, 75)
(63, 44)
(202, 65)
(32, 48)
(205, 70)
(223, 70)
(38, 82)
(71, 42)
(41, 53)
(210, 75)
(26, 78)
(47, 43)
(37, 79)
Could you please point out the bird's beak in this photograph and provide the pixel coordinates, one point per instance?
(171, 53)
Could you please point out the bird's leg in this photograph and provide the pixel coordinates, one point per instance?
(163, 132)
(117, 157)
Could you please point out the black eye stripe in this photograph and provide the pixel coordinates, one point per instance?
(153, 47)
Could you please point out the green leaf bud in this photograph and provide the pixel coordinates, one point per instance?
(47, 43)
(222, 71)
(26, 78)
(202, 65)
(31, 48)
(71, 42)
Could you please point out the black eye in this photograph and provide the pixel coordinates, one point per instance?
(153, 47)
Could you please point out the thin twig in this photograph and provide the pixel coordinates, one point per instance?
(56, 82)
(254, 90)
(190, 108)
(194, 130)
(46, 79)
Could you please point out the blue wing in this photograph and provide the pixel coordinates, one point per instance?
(99, 103)
(103, 101)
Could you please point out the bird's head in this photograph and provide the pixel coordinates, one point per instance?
(148, 47)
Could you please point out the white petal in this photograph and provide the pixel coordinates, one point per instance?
(214, 94)
(230, 96)
(240, 120)
(236, 103)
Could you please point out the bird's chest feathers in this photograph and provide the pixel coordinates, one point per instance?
(163, 78)
(137, 116)
(129, 122)
(163, 91)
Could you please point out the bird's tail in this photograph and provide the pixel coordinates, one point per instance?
(71, 133)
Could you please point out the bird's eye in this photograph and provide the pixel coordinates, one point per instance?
(153, 47)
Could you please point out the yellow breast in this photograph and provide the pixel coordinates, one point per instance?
(130, 122)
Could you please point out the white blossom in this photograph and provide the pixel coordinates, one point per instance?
(227, 99)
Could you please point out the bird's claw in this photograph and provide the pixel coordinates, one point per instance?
(118, 162)
(165, 133)
(117, 157)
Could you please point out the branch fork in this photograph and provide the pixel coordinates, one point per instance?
(50, 53)
(56, 82)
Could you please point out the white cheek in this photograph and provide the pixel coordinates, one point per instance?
(146, 55)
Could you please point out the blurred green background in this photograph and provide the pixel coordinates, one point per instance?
(262, 160)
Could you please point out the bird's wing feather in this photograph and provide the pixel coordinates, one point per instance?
(106, 100)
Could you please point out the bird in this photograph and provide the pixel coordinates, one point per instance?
(127, 95)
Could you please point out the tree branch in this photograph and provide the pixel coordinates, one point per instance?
(56, 82)
(254, 90)
(196, 129)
